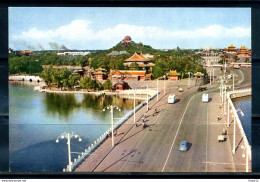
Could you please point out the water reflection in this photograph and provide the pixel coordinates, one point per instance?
(63, 104)
(244, 103)
(37, 119)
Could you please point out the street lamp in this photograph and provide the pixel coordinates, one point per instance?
(233, 82)
(189, 80)
(112, 107)
(134, 106)
(147, 101)
(210, 76)
(157, 90)
(234, 138)
(225, 87)
(68, 136)
(245, 155)
(213, 74)
(164, 84)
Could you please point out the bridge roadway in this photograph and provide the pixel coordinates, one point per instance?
(155, 149)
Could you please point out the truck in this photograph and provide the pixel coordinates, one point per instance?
(205, 98)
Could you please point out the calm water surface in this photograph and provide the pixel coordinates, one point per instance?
(37, 119)
(245, 104)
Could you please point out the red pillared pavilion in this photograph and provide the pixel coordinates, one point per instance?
(173, 75)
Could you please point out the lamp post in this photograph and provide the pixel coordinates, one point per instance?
(234, 138)
(147, 100)
(112, 107)
(157, 90)
(189, 80)
(213, 74)
(68, 136)
(225, 98)
(134, 106)
(222, 90)
(245, 155)
(225, 69)
(164, 84)
(210, 77)
(228, 115)
(233, 82)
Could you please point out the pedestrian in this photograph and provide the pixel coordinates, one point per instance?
(219, 117)
(144, 115)
(155, 112)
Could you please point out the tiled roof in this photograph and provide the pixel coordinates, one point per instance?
(198, 74)
(26, 52)
(127, 72)
(173, 73)
(137, 57)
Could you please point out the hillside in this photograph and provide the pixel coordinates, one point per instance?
(132, 47)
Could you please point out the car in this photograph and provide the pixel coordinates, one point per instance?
(202, 89)
(229, 76)
(180, 89)
(184, 146)
(171, 99)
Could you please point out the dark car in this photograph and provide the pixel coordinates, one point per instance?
(184, 146)
(202, 89)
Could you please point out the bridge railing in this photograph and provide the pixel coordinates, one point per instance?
(234, 110)
(91, 148)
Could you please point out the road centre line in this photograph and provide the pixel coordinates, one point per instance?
(176, 134)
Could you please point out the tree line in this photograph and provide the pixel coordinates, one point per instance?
(64, 78)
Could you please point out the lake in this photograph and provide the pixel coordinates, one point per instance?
(37, 119)
(245, 104)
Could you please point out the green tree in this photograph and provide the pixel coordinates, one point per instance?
(73, 80)
(108, 84)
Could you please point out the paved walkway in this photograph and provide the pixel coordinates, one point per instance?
(92, 162)
(131, 151)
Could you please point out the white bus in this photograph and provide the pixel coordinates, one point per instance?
(171, 99)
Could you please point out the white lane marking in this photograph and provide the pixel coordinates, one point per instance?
(242, 77)
(176, 134)
(224, 163)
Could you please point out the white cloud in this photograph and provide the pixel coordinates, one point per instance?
(80, 35)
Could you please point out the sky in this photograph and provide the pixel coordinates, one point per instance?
(101, 28)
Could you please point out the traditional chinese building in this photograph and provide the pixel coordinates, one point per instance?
(225, 49)
(100, 74)
(27, 53)
(129, 75)
(137, 58)
(232, 48)
(173, 75)
(243, 51)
